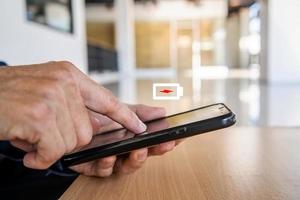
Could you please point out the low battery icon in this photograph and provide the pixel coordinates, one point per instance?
(167, 91)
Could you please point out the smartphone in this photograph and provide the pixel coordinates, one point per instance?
(181, 125)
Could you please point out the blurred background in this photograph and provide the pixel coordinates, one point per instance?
(244, 53)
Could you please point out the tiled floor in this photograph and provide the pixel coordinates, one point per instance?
(255, 104)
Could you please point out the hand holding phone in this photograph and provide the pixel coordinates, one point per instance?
(161, 130)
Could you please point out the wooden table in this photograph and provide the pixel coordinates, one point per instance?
(234, 164)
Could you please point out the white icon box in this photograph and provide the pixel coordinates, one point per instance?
(167, 91)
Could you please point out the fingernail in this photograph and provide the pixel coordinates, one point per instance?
(142, 156)
(142, 127)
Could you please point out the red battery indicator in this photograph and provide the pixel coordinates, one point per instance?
(167, 91)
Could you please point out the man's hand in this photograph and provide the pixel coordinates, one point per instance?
(106, 166)
(44, 110)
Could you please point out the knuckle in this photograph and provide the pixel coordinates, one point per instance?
(64, 72)
(40, 110)
(128, 117)
(18, 133)
(66, 64)
(84, 138)
(132, 116)
(53, 92)
(50, 90)
(114, 104)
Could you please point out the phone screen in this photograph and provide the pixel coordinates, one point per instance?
(159, 125)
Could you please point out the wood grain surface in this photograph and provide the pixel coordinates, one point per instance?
(234, 164)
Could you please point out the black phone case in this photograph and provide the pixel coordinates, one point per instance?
(152, 139)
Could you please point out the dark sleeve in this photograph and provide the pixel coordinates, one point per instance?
(2, 64)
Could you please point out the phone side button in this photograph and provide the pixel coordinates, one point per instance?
(181, 131)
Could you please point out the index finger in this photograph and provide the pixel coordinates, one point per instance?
(101, 100)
